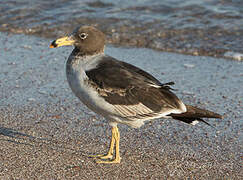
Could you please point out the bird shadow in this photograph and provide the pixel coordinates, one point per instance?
(15, 135)
(20, 138)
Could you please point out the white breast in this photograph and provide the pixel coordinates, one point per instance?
(80, 86)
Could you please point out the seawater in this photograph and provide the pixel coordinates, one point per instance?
(191, 26)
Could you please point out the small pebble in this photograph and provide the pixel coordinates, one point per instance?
(27, 47)
(189, 65)
(187, 93)
(31, 99)
(42, 92)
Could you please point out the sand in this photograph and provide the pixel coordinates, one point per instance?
(47, 133)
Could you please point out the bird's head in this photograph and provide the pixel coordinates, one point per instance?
(86, 39)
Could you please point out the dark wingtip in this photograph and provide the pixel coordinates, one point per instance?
(53, 44)
(201, 120)
(215, 115)
(167, 85)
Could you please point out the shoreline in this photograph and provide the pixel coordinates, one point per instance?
(116, 37)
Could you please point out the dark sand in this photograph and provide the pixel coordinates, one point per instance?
(46, 132)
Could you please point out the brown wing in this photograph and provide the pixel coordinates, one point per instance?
(133, 92)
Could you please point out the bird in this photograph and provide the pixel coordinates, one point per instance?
(120, 92)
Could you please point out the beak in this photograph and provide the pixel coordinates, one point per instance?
(64, 41)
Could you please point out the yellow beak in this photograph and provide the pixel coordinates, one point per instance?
(64, 41)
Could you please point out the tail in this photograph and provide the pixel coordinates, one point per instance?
(193, 115)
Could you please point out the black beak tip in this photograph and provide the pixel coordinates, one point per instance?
(53, 44)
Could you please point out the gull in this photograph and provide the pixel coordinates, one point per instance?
(120, 92)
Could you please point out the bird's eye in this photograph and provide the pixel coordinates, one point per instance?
(83, 35)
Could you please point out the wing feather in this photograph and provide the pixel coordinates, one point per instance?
(134, 93)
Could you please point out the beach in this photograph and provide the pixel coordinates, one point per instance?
(47, 133)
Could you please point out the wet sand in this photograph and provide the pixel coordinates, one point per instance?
(46, 132)
(208, 28)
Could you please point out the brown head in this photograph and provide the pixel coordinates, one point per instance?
(87, 39)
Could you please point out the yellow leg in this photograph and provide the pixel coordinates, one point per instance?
(115, 138)
(109, 155)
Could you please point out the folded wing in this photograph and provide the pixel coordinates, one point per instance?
(134, 93)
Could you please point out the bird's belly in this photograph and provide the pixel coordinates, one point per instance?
(79, 83)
